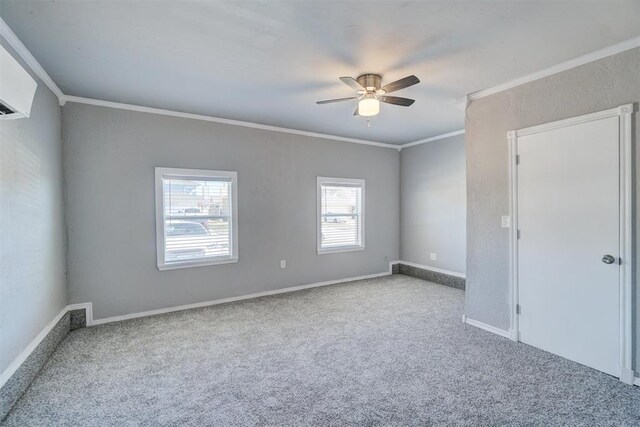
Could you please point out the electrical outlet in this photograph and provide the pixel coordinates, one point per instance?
(433, 256)
(506, 221)
(283, 263)
(386, 259)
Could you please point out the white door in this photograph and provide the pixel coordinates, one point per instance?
(568, 219)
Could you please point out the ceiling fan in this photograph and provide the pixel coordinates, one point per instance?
(371, 93)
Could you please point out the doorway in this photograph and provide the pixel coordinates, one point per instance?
(571, 239)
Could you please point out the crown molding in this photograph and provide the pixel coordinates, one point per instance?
(12, 39)
(159, 111)
(558, 68)
(7, 33)
(433, 138)
(461, 102)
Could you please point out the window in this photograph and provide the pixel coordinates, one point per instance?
(340, 214)
(196, 217)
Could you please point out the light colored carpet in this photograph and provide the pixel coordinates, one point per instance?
(388, 351)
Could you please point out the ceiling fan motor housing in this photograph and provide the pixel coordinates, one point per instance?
(370, 93)
(371, 82)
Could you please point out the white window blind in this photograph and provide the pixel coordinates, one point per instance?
(197, 217)
(340, 214)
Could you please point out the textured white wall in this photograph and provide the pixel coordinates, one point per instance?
(607, 83)
(32, 235)
(433, 204)
(109, 160)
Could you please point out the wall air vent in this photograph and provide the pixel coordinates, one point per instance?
(17, 88)
(4, 110)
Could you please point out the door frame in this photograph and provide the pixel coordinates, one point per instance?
(624, 114)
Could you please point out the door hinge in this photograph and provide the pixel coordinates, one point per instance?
(517, 159)
(517, 233)
(518, 309)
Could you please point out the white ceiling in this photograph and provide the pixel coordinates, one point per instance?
(269, 61)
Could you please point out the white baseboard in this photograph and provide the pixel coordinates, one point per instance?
(434, 269)
(232, 299)
(486, 327)
(18, 361)
(83, 305)
(627, 376)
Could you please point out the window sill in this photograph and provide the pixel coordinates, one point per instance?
(342, 249)
(203, 263)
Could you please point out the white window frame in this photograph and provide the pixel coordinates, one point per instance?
(195, 174)
(322, 180)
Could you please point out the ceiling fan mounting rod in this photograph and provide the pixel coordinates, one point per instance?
(371, 82)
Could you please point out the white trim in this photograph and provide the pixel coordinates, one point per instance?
(563, 66)
(24, 354)
(636, 381)
(150, 110)
(18, 361)
(486, 327)
(197, 263)
(627, 376)
(341, 249)
(626, 244)
(87, 306)
(462, 102)
(232, 299)
(7, 33)
(163, 112)
(20, 48)
(624, 113)
(434, 269)
(23, 52)
(612, 112)
(160, 174)
(514, 325)
(360, 183)
(433, 138)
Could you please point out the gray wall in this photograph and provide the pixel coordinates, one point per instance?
(109, 159)
(32, 235)
(433, 204)
(596, 86)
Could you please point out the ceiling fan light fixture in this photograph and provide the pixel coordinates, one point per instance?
(368, 106)
(371, 94)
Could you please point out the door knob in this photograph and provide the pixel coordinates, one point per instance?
(608, 259)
